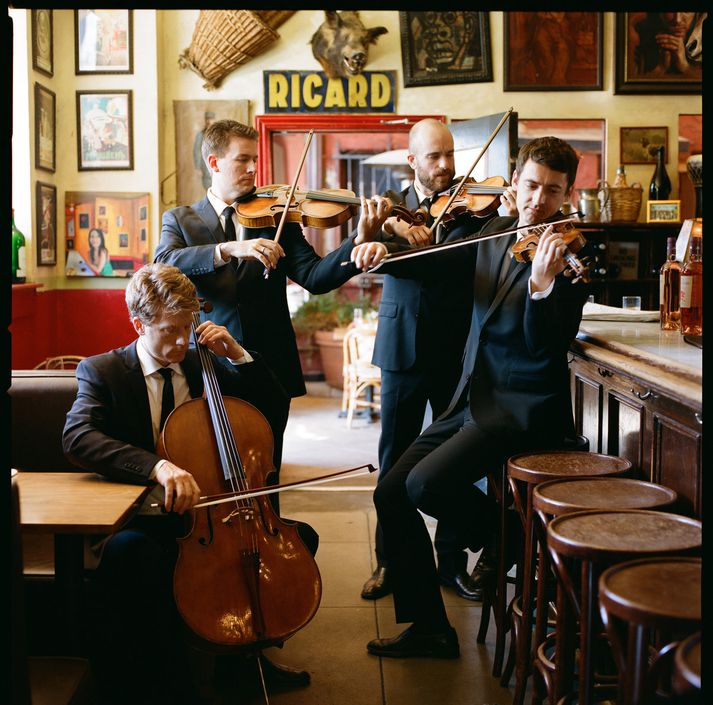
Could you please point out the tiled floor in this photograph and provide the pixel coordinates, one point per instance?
(332, 647)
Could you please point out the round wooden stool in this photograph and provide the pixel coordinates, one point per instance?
(687, 670)
(586, 543)
(555, 498)
(636, 597)
(524, 472)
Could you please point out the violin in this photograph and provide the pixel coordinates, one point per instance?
(524, 249)
(325, 208)
(476, 198)
(243, 576)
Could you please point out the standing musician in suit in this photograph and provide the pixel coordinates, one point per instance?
(513, 395)
(422, 329)
(201, 241)
(122, 401)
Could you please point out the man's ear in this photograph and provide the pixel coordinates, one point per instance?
(411, 159)
(212, 162)
(513, 181)
(138, 325)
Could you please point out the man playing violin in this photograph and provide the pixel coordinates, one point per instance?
(112, 428)
(513, 395)
(419, 343)
(228, 270)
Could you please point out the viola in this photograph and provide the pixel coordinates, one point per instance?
(524, 249)
(324, 208)
(243, 576)
(476, 198)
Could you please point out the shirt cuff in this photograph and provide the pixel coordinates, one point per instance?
(218, 260)
(247, 357)
(156, 467)
(539, 294)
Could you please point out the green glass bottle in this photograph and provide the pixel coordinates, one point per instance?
(19, 267)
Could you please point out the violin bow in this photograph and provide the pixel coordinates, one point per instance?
(291, 193)
(457, 189)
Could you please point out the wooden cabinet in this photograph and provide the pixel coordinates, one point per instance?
(632, 255)
(647, 413)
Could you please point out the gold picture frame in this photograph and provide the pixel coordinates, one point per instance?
(663, 211)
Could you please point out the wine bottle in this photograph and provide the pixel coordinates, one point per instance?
(19, 265)
(669, 288)
(660, 186)
(691, 300)
(620, 179)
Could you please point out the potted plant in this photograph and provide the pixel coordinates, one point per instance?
(321, 321)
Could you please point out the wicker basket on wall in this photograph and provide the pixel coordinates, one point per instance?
(623, 203)
(225, 39)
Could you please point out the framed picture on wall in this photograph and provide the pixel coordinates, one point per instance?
(46, 205)
(659, 52)
(638, 145)
(552, 51)
(439, 48)
(104, 130)
(103, 41)
(663, 211)
(45, 128)
(42, 42)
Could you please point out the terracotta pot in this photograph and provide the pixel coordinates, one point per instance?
(330, 350)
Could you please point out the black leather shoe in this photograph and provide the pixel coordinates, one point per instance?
(278, 675)
(378, 585)
(410, 644)
(463, 584)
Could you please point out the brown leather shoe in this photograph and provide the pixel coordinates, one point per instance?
(378, 585)
(410, 644)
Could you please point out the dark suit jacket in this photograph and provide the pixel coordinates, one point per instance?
(252, 308)
(515, 359)
(424, 320)
(108, 429)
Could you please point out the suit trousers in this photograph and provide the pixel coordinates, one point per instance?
(436, 476)
(404, 396)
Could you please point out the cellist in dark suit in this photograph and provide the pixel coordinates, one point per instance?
(202, 241)
(422, 329)
(513, 395)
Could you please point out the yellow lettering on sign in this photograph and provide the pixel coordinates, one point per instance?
(380, 90)
(295, 90)
(277, 89)
(334, 96)
(311, 82)
(358, 90)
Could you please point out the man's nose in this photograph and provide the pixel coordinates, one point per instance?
(251, 167)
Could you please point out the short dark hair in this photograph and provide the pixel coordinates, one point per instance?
(553, 152)
(217, 136)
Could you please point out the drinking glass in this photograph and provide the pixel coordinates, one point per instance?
(632, 303)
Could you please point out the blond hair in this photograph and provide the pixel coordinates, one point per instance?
(158, 289)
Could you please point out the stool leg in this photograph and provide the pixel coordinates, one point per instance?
(541, 613)
(564, 647)
(637, 666)
(501, 584)
(587, 627)
(514, 627)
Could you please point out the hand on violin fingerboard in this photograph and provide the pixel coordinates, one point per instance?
(548, 261)
(509, 200)
(416, 235)
(264, 250)
(374, 211)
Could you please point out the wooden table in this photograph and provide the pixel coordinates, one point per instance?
(72, 505)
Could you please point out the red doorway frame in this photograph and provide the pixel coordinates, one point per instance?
(266, 125)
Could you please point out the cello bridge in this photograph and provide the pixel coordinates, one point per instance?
(245, 513)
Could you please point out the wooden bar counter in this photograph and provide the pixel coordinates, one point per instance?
(637, 392)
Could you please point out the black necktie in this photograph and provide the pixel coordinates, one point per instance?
(167, 400)
(229, 224)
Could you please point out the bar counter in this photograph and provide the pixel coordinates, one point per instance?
(637, 393)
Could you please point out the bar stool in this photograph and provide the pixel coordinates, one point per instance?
(555, 498)
(586, 543)
(659, 593)
(687, 670)
(524, 472)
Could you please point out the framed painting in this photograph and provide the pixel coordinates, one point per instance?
(659, 52)
(46, 210)
(552, 51)
(638, 145)
(114, 244)
(104, 130)
(42, 42)
(439, 48)
(663, 211)
(192, 117)
(103, 41)
(45, 128)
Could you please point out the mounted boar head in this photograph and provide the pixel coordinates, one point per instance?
(341, 44)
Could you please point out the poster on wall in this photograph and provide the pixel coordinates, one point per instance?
(103, 41)
(192, 118)
(104, 130)
(46, 204)
(107, 234)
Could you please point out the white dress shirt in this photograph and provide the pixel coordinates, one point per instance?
(219, 206)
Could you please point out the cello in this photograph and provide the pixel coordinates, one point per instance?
(243, 577)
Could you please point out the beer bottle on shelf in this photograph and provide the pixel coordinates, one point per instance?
(660, 186)
(691, 300)
(669, 288)
(19, 265)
